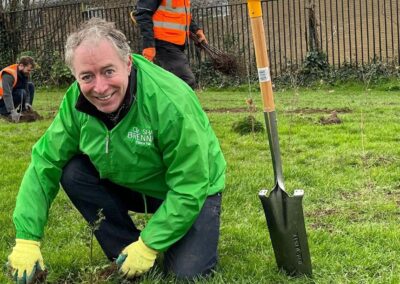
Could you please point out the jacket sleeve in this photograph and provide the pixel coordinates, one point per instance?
(184, 144)
(194, 27)
(144, 17)
(40, 183)
(7, 81)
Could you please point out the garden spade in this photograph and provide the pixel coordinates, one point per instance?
(284, 214)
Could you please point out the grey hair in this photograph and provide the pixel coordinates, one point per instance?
(95, 30)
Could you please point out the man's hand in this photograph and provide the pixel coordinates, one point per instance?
(149, 53)
(28, 106)
(25, 261)
(136, 259)
(15, 116)
(201, 37)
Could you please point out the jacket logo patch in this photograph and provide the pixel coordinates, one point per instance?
(141, 136)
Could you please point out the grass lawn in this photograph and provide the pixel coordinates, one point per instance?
(350, 173)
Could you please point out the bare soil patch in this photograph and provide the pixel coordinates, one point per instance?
(226, 110)
(30, 116)
(308, 110)
(26, 116)
(299, 110)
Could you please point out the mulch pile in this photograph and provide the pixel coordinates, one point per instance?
(331, 119)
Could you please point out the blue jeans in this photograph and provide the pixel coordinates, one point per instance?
(19, 97)
(193, 255)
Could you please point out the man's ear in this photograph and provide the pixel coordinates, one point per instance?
(130, 61)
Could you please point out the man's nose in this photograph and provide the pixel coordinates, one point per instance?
(100, 85)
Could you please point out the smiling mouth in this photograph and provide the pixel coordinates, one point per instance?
(104, 98)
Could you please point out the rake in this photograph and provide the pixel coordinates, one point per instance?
(221, 61)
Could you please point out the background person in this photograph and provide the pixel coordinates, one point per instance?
(165, 27)
(16, 89)
(129, 136)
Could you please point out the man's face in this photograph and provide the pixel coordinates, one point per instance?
(25, 69)
(102, 75)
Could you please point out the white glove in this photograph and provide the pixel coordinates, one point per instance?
(15, 116)
(28, 107)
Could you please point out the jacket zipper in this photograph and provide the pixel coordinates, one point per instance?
(107, 142)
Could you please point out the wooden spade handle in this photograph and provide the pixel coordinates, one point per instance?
(260, 46)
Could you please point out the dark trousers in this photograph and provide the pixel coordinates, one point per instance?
(20, 97)
(172, 58)
(193, 255)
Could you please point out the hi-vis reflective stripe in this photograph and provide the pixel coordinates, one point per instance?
(171, 21)
(171, 26)
(175, 10)
(167, 8)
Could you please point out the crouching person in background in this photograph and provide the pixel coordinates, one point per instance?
(129, 136)
(16, 89)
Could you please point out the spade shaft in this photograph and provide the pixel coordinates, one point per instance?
(284, 214)
(262, 61)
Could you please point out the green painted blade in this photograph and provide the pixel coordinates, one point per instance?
(285, 221)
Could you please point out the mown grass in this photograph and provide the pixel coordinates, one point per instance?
(350, 173)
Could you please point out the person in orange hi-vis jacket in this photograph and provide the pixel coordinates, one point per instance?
(165, 27)
(16, 89)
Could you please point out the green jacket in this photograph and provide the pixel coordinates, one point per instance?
(164, 147)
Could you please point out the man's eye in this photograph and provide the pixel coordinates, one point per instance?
(109, 72)
(86, 78)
